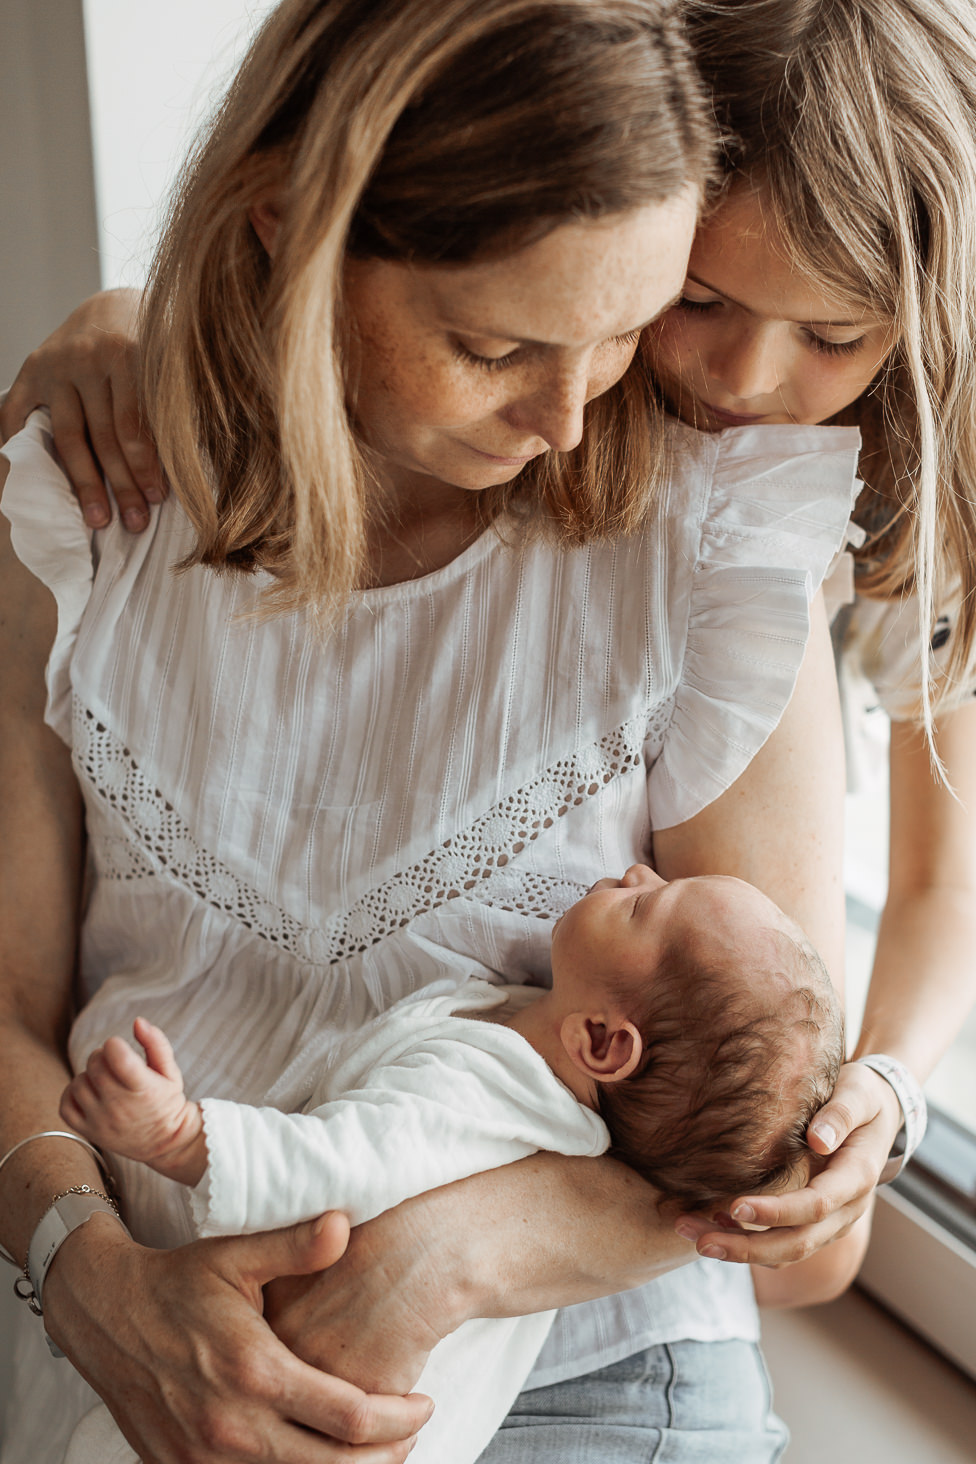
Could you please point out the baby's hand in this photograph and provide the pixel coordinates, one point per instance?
(137, 1107)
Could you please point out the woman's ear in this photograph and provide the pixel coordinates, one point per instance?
(606, 1052)
(266, 214)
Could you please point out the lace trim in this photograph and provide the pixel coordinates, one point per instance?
(157, 841)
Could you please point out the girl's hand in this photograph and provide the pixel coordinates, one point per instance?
(176, 1345)
(856, 1129)
(86, 372)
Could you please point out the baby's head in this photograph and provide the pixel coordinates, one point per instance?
(708, 1025)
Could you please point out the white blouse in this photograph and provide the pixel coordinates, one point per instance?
(289, 832)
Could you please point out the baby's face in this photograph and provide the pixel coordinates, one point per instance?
(619, 928)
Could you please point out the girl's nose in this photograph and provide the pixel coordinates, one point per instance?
(746, 366)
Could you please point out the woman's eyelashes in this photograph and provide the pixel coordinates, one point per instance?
(521, 353)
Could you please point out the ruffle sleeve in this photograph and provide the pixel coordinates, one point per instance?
(775, 515)
(50, 537)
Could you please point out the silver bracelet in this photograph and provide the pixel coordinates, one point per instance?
(911, 1100)
(55, 1134)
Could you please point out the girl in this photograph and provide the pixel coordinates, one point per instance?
(401, 729)
(832, 280)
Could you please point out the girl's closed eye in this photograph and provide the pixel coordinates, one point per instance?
(836, 348)
(700, 306)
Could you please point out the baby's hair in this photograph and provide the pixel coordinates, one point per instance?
(417, 133)
(731, 1076)
(857, 120)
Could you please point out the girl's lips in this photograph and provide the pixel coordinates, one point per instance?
(731, 419)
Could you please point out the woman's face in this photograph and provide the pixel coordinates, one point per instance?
(750, 340)
(465, 373)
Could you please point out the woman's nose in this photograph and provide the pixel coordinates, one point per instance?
(746, 366)
(555, 411)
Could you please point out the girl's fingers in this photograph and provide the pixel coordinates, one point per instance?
(134, 442)
(74, 449)
(858, 1098)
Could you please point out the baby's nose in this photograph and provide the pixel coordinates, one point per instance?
(643, 874)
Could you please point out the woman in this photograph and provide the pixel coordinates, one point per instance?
(395, 706)
(884, 199)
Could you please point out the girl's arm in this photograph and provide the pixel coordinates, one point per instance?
(824, 1277)
(922, 986)
(142, 1326)
(924, 978)
(86, 373)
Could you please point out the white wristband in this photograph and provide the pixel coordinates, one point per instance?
(66, 1213)
(911, 1100)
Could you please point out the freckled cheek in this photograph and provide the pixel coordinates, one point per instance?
(607, 372)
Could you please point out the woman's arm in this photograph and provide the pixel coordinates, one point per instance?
(173, 1340)
(550, 1231)
(86, 373)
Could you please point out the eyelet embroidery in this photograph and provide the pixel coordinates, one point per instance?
(154, 840)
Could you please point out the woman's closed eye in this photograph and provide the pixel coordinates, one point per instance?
(519, 353)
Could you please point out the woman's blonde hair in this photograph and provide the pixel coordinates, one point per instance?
(410, 131)
(857, 119)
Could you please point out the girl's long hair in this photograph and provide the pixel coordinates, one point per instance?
(857, 118)
(410, 131)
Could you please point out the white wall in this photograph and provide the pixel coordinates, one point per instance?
(48, 258)
(154, 71)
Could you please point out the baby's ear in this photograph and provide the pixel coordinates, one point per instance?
(607, 1052)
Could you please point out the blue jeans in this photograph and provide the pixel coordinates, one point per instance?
(681, 1403)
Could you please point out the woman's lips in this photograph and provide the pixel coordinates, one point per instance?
(504, 462)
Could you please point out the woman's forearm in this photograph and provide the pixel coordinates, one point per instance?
(546, 1232)
(40, 861)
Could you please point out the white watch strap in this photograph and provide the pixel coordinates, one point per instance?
(911, 1100)
(66, 1214)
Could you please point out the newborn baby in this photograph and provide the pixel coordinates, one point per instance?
(693, 1017)
(691, 1029)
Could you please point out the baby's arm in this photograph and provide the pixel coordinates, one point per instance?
(136, 1107)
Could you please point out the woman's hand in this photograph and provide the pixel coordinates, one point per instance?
(176, 1344)
(856, 1129)
(86, 372)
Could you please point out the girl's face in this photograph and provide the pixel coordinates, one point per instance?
(463, 374)
(750, 340)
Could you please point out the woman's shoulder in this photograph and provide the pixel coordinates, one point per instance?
(773, 508)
